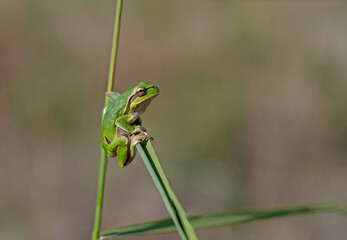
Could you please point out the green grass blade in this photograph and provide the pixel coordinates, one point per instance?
(172, 204)
(216, 220)
(103, 157)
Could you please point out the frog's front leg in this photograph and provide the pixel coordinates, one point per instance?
(122, 148)
(123, 124)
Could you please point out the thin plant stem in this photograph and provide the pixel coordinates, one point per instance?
(100, 195)
(103, 156)
(113, 59)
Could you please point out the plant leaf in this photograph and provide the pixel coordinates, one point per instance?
(171, 202)
(216, 220)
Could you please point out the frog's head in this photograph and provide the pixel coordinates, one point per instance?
(142, 96)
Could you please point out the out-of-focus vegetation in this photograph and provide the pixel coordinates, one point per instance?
(252, 113)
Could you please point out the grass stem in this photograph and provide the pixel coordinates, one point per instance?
(103, 157)
(114, 50)
(100, 195)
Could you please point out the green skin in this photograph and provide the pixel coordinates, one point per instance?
(121, 126)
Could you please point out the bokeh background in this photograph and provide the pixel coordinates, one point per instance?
(252, 113)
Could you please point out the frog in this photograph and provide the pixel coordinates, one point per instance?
(121, 125)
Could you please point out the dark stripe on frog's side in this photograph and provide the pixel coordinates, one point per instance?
(131, 99)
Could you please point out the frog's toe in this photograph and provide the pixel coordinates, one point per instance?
(140, 138)
(133, 143)
(145, 135)
(138, 130)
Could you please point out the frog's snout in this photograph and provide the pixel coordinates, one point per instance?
(156, 88)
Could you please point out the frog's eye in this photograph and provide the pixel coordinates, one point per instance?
(141, 91)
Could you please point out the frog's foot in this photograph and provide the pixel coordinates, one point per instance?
(138, 130)
(138, 138)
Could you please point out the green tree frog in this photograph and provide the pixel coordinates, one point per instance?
(121, 126)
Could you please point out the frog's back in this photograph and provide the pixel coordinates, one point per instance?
(117, 106)
(114, 110)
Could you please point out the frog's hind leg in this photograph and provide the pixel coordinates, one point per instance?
(120, 148)
(131, 153)
(118, 142)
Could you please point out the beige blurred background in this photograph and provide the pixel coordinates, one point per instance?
(251, 115)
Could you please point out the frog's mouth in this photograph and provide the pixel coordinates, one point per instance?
(142, 106)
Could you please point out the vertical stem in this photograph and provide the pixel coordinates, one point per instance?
(100, 195)
(112, 69)
(103, 156)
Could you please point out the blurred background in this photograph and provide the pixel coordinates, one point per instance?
(251, 115)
